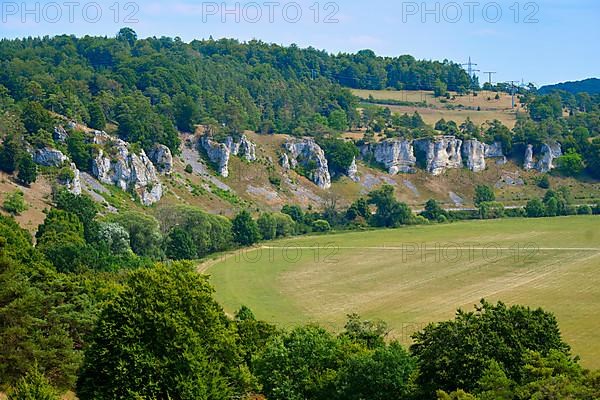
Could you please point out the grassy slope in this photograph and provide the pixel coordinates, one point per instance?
(330, 279)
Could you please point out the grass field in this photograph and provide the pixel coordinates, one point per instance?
(412, 276)
(438, 108)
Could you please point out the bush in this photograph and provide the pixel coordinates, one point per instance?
(15, 203)
(321, 225)
(535, 208)
(33, 386)
(189, 169)
(421, 220)
(584, 210)
(245, 229)
(442, 219)
(27, 170)
(544, 182)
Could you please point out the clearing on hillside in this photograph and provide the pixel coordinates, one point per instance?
(416, 275)
(457, 109)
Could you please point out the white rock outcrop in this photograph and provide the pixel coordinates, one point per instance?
(352, 172)
(217, 153)
(74, 185)
(549, 152)
(309, 154)
(440, 153)
(396, 155)
(115, 164)
(161, 157)
(496, 152)
(49, 157)
(60, 134)
(220, 153)
(473, 152)
(528, 163)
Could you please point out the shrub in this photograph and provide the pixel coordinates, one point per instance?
(33, 386)
(584, 210)
(189, 169)
(245, 229)
(535, 208)
(442, 219)
(544, 182)
(15, 203)
(321, 225)
(27, 170)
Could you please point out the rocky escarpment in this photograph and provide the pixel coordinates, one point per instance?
(439, 154)
(548, 153)
(473, 152)
(495, 151)
(116, 164)
(161, 157)
(310, 156)
(72, 183)
(219, 153)
(352, 171)
(49, 157)
(396, 155)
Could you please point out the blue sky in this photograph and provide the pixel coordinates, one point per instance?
(543, 42)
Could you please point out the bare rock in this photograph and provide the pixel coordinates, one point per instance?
(126, 170)
(496, 152)
(473, 152)
(528, 163)
(352, 172)
(161, 157)
(397, 155)
(440, 153)
(60, 134)
(218, 154)
(309, 154)
(548, 153)
(49, 157)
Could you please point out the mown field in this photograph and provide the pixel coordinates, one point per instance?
(437, 108)
(412, 276)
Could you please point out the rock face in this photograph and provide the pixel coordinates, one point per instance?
(440, 153)
(244, 148)
(396, 155)
(549, 152)
(49, 157)
(495, 151)
(352, 172)
(310, 155)
(125, 169)
(60, 135)
(473, 152)
(74, 186)
(162, 159)
(528, 159)
(218, 154)
(284, 161)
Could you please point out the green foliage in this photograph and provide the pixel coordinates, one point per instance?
(267, 225)
(433, 211)
(253, 334)
(300, 365)
(145, 238)
(113, 238)
(339, 154)
(370, 334)
(245, 229)
(163, 336)
(188, 169)
(285, 225)
(11, 151)
(60, 239)
(180, 245)
(535, 208)
(491, 210)
(295, 212)
(321, 226)
(204, 232)
(358, 209)
(382, 374)
(36, 118)
(584, 210)
(483, 193)
(27, 170)
(14, 203)
(390, 212)
(570, 164)
(97, 118)
(81, 205)
(544, 182)
(33, 386)
(79, 150)
(454, 354)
